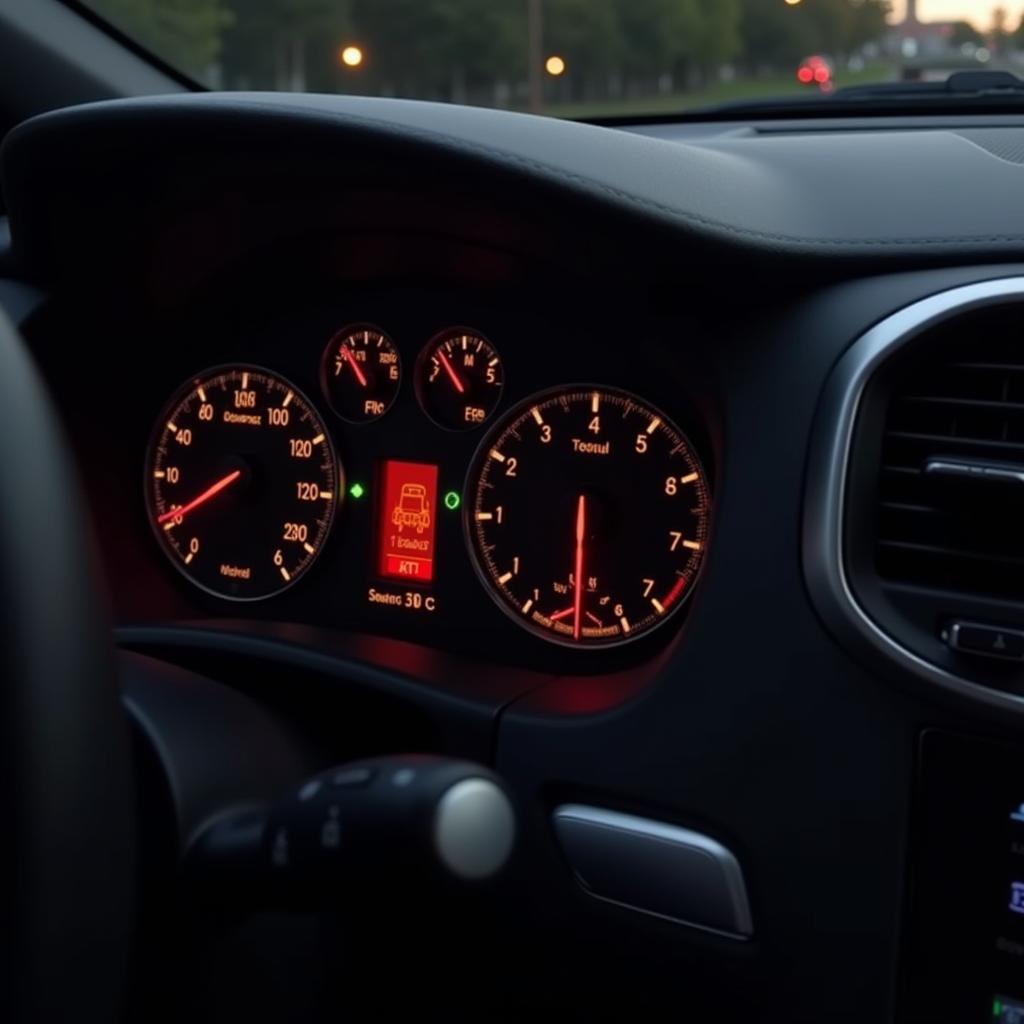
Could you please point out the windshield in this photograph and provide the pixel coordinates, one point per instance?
(571, 58)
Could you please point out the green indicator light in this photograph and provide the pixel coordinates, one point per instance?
(357, 490)
(997, 1009)
(452, 500)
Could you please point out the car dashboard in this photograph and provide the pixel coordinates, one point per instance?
(585, 453)
(395, 547)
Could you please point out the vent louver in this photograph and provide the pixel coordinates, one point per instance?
(951, 489)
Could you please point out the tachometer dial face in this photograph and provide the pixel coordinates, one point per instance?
(588, 516)
(241, 482)
(459, 379)
(361, 372)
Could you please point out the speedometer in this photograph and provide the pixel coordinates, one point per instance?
(588, 516)
(241, 482)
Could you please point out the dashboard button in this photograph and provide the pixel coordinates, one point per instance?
(655, 868)
(985, 641)
(310, 790)
(350, 778)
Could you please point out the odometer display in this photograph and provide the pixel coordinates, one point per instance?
(241, 482)
(588, 516)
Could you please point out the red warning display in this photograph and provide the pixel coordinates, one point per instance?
(406, 519)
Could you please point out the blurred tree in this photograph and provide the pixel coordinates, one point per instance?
(440, 49)
(586, 33)
(841, 27)
(777, 36)
(484, 43)
(675, 41)
(656, 35)
(476, 50)
(185, 33)
(866, 22)
(965, 33)
(284, 44)
(720, 40)
(999, 34)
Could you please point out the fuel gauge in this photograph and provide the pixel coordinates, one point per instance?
(459, 378)
(360, 373)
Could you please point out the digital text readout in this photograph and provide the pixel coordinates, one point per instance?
(407, 516)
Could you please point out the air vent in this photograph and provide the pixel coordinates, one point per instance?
(951, 493)
(915, 498)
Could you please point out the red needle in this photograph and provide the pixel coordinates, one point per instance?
(202, 499)
(581, 527)
(346, 353)
(451, 372)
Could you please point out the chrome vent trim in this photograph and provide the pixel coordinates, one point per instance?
(828, 470)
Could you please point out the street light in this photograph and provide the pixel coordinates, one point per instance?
(555, 65)
(351, 56)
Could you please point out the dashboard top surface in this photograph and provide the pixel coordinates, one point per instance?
(881, 194)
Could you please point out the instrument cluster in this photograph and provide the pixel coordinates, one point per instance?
(414, 479)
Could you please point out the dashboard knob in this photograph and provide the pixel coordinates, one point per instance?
(474, 829)
(385, 824)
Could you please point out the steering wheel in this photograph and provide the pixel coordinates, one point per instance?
(68, 841)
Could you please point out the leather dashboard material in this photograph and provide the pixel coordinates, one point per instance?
(862, 195)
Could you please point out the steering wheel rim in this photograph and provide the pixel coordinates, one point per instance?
(69, 794)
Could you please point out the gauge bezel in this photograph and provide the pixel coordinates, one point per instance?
(469, 502)
(186, 387)
(344, 332)
(419, 380)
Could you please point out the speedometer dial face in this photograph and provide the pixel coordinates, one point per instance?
(588, 516)
(241, 482)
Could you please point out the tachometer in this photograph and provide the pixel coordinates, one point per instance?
(588, 516)
(241, 482)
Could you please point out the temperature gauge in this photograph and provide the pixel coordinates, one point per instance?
(360, 373)
(459, 379)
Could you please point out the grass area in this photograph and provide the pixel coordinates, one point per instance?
(719, 92)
